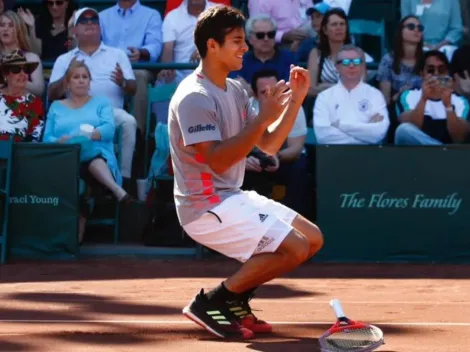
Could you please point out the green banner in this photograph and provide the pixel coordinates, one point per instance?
(393, 204)
(44, 200)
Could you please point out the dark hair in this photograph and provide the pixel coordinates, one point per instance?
(434, 53)
(215, 23)
(46, 18)
(324, 44)
(399, 52)
(262, 74)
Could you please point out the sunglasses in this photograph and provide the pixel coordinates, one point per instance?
(262, 35)
(17, 69)
(348, 62)
(56, 3)
(412, 27)
(90, 20)
(441, 69)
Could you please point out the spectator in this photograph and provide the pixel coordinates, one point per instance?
(13, 37)
(442, 22)
(316, 14)
(460, 67)
(49, 33)
(289, 166)
(112, 77)
(137, 30)
(265, 54)
(434, 114)
(173, 4)
(334, 33)
(63, 123)
(399, 70)
(287, 16)
(178, 41)
(21, 112)
(352, 111)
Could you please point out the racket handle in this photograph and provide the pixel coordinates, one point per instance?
(337, 308)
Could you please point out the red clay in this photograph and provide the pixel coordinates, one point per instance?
(135, 305)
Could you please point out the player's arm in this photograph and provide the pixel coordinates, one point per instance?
(222, 155)
(200, 128)
(271, 142)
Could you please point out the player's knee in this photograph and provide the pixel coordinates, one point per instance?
(311, 232)
(295, 248)
(315, 240)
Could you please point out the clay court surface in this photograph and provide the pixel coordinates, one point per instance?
(135, 305)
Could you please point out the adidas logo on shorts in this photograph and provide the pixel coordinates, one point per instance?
(263, 243)
(263, 217)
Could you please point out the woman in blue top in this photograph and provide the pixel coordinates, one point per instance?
(442, 21)
(399, 70)
(63, 123)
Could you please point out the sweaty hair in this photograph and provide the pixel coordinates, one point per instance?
(262, 74)
(215, 23)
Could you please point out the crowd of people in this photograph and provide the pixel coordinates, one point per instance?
(418, 94)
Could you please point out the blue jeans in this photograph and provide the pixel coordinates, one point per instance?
(409, 134)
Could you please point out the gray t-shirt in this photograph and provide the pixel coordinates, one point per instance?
(201, 112)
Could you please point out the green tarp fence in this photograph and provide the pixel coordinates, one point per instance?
(394, 204)
(44, 199)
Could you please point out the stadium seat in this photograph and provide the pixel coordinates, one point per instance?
(6, 155)
(157, 94)
(360, 29)
(114, 221)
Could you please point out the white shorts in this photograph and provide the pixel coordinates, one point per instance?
(243, 225)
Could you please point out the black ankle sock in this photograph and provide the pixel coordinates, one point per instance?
(249, 292)
(221, 294)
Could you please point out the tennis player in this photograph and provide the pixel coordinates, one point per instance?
(212, 130)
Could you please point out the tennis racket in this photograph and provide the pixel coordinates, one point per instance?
(350, 336)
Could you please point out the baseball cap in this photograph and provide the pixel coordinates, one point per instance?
(80, 12)
(322, 8)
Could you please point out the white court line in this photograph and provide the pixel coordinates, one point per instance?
(258, 300)
(184, 322)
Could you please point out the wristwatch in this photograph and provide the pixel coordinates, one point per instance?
(124, 83)
(450, 108)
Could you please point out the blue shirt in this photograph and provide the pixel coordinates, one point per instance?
(441, 19)
(98, 112)
(139, 26)
(280, 62)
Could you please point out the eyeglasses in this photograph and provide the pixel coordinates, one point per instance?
(348, 62)
(18, 68)
(55, 3)
(262, 35)
(432, 69)
(90, 20)
(412, 27)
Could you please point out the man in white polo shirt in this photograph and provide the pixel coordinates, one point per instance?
(352, 111)
(178, 41)
(289, 166)
(111, 76)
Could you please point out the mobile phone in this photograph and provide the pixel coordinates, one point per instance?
(444, 81)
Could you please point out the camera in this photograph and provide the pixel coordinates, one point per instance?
(264, 160)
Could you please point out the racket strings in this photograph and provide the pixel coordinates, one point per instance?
(353, 339)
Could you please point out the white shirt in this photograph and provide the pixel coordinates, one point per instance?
(343, 117)
(101, 63)
(178, 27)
(300, 124)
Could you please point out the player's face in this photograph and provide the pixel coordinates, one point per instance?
(232, 51)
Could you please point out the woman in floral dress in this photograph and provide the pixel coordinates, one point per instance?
(21, 113)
